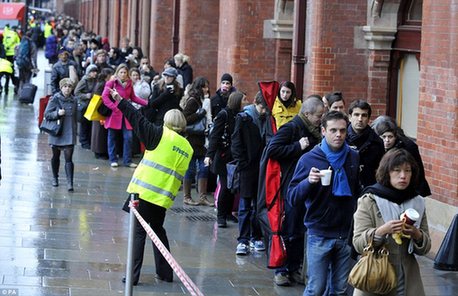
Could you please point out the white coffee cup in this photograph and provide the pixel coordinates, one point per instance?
(410, 216)
(326, 177)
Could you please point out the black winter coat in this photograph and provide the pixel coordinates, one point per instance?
(371, 150)
(285, 148)
(197, 141)
(219, 141)
(160, 104)
(246, 148)
(219, 101)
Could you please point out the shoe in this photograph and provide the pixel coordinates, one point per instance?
(190, 202)
(232, 218)
(134, 282)
(242, 249)
(205, 202)
(55, 182)
(114, 165)
(297, 277)
(282, 279)
(132, 165)
(222, 223)
(88, 147)
(257, 245)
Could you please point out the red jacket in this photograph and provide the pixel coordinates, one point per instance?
(127, 93)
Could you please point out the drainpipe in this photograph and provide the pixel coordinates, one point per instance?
(176, 27)
(299, 58)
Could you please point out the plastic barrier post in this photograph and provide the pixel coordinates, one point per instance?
(130, 249)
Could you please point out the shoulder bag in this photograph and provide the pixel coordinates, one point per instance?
(198, 127)
(52, 127)
(373, 272)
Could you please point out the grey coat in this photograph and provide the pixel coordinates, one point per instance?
(367, 219)
(68, 135)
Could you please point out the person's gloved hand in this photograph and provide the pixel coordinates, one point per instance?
(201, 112)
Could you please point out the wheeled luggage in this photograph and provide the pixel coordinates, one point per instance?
(27, 94)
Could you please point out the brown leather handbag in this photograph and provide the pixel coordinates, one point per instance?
(373, 272)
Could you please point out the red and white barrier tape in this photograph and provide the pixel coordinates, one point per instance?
(184, 278)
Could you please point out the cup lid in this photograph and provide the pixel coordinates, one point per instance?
(412, 214)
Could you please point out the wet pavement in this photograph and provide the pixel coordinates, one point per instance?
(53, 242)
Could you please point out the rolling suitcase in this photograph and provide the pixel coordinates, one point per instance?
(41, 111)
(27, 95)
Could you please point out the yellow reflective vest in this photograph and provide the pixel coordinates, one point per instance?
(158, 177)
(47, 30)
(10, 41)
(283, 114)
(6, 66)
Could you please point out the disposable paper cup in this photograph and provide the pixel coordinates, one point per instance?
(326, 178)
(410, 216)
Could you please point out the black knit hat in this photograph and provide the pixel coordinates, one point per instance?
(226, 77)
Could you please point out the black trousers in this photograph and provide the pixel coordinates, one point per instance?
(154, 215)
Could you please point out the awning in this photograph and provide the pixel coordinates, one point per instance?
(12, 11)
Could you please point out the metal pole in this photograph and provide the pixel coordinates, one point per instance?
(130, 249)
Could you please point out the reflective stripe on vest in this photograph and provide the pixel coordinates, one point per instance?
(159, 175)
(163, 169)
(153, 188)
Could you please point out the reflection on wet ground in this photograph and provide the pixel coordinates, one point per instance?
(53, 242)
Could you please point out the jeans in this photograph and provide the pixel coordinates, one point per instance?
(197, 163)
(248, 221)
(126, 145)
(324, 256)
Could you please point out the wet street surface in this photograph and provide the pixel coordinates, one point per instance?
(53, 242)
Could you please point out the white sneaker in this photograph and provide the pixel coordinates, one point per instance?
(132, 165)
(257, 245)
(114, 165)
(242, 249)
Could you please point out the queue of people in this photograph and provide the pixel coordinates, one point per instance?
(374, 170)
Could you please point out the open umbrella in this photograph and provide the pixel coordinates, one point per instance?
(270, 201)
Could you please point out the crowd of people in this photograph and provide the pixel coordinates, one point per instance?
(375, 169)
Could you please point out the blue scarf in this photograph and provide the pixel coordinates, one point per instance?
(337, 159)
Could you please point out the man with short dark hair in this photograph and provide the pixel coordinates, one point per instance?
(365, 140)
(219, 100)
(329, 208)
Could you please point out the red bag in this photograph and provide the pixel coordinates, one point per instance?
(41, 111)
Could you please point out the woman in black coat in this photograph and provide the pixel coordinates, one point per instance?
(393, 137)
(219, 152)
(166, 96)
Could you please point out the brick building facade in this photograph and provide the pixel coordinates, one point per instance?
(400, 55)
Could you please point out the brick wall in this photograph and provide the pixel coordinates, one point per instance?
(333, 61)
(438, 107)
(161, 33)
(242, 51)
(199, 37)
(377, 87)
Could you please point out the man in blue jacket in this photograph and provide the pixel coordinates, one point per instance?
(329, 208)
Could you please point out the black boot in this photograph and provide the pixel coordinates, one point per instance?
(69, 167)
(55, 163)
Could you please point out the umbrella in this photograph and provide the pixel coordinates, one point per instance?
(270, 201)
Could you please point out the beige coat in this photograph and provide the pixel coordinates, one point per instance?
(366, 219)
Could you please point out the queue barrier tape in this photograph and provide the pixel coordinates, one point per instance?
(184, 278)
